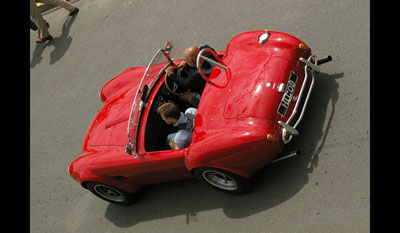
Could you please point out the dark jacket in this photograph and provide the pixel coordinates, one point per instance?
(193, 82)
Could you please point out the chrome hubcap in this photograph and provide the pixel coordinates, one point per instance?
(109, 193)
(220, 180)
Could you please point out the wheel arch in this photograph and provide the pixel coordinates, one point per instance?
(241, 158)
(236, 171)
(127, 187)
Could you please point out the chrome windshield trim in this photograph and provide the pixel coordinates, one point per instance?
(132, 142)
(138, 91)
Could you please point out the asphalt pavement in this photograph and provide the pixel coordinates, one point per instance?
(325, 189)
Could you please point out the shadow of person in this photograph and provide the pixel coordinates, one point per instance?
(272, 185)
(63, 42)
(37, 54)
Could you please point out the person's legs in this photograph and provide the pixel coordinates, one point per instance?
(64, 4)
(37, 18)
(169, 138)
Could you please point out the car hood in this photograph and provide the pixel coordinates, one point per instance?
(109, 127)
(254, 87)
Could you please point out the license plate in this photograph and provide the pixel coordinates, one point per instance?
(287, 97)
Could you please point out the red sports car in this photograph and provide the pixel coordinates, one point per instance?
(252, 102)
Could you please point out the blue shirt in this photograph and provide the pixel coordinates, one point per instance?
(183, 136)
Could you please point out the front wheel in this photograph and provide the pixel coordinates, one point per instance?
(110, 194)
(222, 180)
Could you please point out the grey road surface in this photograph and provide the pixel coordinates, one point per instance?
(325, 189)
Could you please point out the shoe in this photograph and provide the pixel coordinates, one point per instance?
(42, 40)
(74, 12)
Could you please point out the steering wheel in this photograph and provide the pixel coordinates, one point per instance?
(172, 85)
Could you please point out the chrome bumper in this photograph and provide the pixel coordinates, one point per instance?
(288, 128)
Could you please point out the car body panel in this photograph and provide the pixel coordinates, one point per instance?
(124, 81)
(241, 149)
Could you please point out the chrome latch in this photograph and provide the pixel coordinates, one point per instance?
(263, 37)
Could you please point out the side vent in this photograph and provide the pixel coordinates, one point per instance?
(119, 177)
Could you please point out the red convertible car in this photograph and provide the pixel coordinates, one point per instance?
(252, 102)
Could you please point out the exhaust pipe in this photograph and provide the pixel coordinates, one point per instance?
(286, 156)
(324, 60)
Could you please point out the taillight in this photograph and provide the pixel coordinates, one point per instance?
(302, 46)
(270, 137)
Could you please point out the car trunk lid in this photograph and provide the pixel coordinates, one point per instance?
(254, 89)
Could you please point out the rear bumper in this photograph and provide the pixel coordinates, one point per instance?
(305, 92)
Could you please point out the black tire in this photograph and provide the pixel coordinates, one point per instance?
(222, 180)
(110, 193)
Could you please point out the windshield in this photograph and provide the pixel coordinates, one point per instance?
(160, 60)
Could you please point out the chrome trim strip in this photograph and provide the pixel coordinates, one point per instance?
(200, 55)
(210, 61)
(289, 155)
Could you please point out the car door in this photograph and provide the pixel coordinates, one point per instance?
(167, 165)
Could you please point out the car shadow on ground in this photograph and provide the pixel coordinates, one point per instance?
(272, 185)
(61, 44)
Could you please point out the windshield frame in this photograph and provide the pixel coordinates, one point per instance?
(133, 124)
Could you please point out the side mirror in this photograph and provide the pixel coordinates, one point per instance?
(129, 149)
(144, 93)
(167, 47)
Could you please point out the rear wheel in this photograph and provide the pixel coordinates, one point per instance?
(222, 180)
(110, 193)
